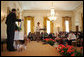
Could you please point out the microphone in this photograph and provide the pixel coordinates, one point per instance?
(20, 25)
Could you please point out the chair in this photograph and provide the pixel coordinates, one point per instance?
(74, 43)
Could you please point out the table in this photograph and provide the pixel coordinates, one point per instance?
(19, 35)
(44, 29)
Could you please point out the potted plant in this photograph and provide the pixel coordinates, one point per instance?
(49, 41)
(67, 50)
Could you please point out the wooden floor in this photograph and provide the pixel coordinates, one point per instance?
(33, 49)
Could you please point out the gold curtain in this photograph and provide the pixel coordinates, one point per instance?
(51, 27)
(25, 25)
(45, 24)
(63, 23)
(82, 21)
(32, 24)
(70, 24)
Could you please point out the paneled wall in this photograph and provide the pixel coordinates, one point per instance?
(78, 13)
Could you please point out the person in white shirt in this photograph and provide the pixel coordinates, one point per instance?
(38, 28)
(38, 32)
(71, 37)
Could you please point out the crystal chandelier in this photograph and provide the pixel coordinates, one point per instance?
(52, 17)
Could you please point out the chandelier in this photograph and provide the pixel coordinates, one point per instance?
(52, 16)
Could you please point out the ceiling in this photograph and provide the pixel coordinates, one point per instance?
(46, 5)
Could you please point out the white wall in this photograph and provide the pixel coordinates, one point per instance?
(3, 26)
(77, 16)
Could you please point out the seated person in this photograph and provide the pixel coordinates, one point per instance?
(63, 35)
(56, 35)
(59, 35)
(33, 36)
(66, 35)
(78, 35)
(46, 34)
(30, 36)
(71, 37)
(50, 35)
(42, 35)
(61, 41)
(53, 36)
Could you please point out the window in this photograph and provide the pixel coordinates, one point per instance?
(48, 27)
(67, 26)
(28, 26)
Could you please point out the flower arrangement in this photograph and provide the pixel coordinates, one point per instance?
(57, 39)
(45, 40)
(18, 28)
(68, 50)
(49, 41)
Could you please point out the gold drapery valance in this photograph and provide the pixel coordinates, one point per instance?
(63, 23)
(25, 24)
(51, 27)
(45, 24)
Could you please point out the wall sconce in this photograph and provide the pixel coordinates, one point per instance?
(3, 18)
(17, 10)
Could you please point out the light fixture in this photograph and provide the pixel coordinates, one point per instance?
(52, 17)
(3, 16)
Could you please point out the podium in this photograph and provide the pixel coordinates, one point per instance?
(44, 29)
(19, 35)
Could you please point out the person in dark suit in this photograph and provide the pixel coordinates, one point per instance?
(11, 26)
(50, 35)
